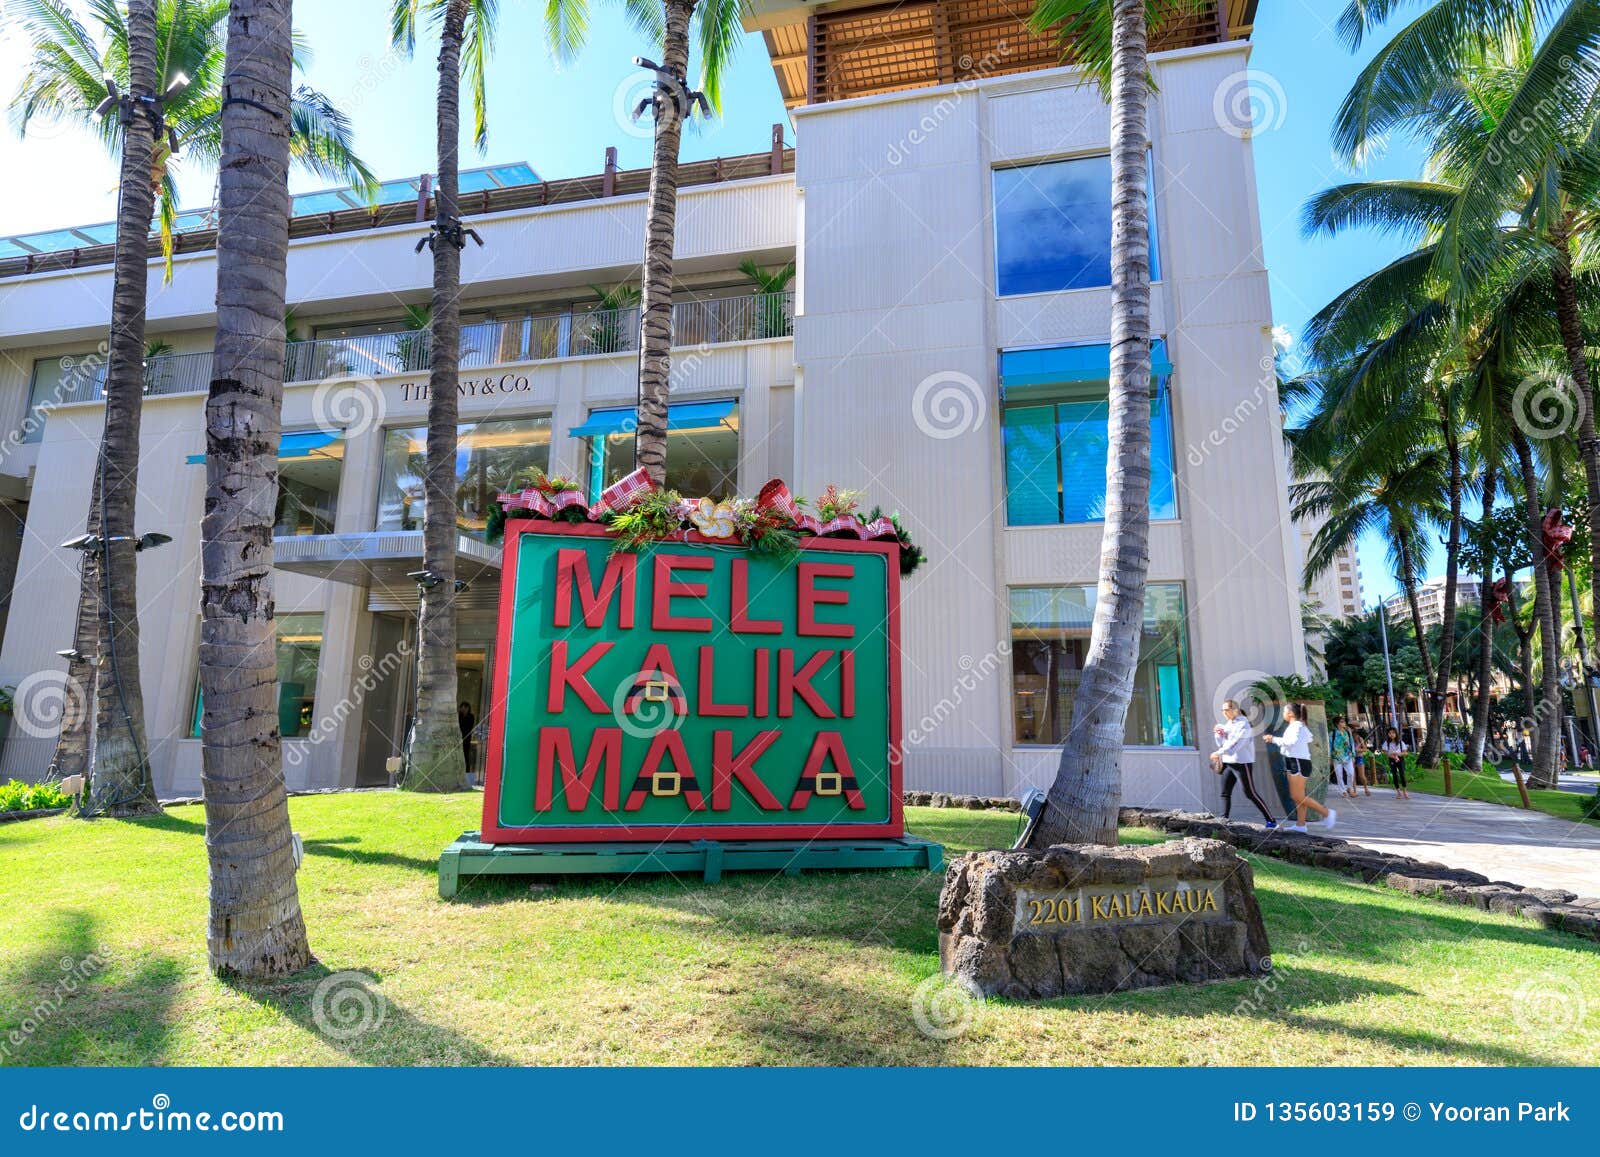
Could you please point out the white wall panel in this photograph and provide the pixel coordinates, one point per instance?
(557, 245)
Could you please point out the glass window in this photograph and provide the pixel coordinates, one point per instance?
(299, 653)
(308, 487)
(363, 329)
(1056, 459)
(1052, 226)
(489, 458)
(57, 381)
(1049, 641)
(702, 459)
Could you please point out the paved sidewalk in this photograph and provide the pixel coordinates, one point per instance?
(1504, 843)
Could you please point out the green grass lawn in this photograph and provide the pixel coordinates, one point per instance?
(758, 969)
(1488, 786)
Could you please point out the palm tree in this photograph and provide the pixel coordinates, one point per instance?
(772, 307)
(466, 37)
(672, 102)
(255, 927)
(1400, 500)
(1502, 270)
(1110, 40)
(1515, 111)
(1398, 319)
(66, 81)
(120, 782)
(607, 326)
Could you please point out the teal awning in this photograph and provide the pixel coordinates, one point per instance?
(1068, 365)
(300, 444)
(684, 416)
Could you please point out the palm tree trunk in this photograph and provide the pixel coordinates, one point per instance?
(436, 762)
(255, 926)
(1486, 604)
(120, 783)
(655, 305)
(1547, 713)
(1408, 583)
(1083, 800)
(1570, 321)
(75, 743)
(1447, 629)
(1524, 645)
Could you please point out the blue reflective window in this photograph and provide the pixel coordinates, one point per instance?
(1055, 454)
(1050, 629)
(1052, 226)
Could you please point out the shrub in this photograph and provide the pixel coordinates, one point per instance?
(17, 796)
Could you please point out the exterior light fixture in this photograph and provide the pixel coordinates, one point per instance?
(113, 95)
(151, 539)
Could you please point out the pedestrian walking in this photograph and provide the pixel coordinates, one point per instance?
(1395, 748)
(1364, 764)
(1295, 743)
(1342, 746)
(1234, 760)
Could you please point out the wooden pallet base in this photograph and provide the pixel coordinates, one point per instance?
(468, 858)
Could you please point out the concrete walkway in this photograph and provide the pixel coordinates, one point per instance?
(1522, 847)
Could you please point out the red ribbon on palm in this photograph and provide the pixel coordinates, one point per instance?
(1555, 534)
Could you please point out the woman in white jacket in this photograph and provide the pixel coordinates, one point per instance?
(1295, 743)
(1234, 760)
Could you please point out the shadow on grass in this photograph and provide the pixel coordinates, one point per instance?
(802, 1015)
(346, 848)
(168, 822)
(72, 1002)
(350, 1012)
(1370, 922)
(1415, 1040)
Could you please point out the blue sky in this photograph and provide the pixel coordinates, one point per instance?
(560, 118)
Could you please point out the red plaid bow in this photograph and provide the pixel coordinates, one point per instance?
(620, 496)
(775, 496)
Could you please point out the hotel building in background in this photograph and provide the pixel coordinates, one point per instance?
(943, 347)
(1430, 601)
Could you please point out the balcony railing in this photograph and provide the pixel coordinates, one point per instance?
(575, 333)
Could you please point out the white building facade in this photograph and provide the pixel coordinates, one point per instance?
(943, 349)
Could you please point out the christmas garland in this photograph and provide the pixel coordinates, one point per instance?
(771, 523)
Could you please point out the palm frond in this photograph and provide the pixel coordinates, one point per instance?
(566, 23)
(321, 139)
(476, 48)
(721, 33)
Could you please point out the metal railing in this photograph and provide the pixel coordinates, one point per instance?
(574, 333)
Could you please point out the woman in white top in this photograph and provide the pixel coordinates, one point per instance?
(1295, 743)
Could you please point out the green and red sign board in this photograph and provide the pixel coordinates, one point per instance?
(693, 690)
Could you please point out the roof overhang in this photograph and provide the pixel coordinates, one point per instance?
(380, 560)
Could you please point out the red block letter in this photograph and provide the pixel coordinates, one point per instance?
(739, 612)
(666, 589)
(705, 702)
(572, 568)
(792, 683)
(811, 595)
(555, 750)
(563, 676)
(727, 767)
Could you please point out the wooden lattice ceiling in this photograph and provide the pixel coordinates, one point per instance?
(850, 52)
